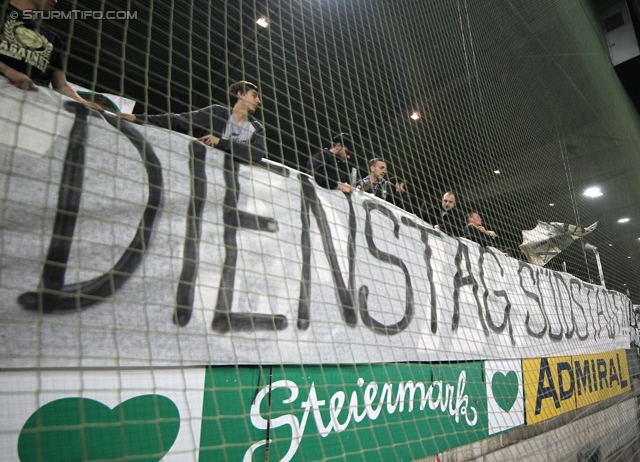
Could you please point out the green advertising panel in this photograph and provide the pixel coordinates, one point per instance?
(360, 412)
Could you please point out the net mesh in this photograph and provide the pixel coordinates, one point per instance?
(165, 300)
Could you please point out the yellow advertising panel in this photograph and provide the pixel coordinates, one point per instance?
(553, 386)
(600, 376)
(548, 387)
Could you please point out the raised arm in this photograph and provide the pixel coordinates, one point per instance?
(188, 123)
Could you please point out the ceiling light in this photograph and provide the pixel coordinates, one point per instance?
(496, 172)
(593, 192)
(610, 245)
(623, 220)
(415, 115)
(629, 256)
(552, 204)
(262, 22)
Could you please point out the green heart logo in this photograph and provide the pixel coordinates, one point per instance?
(78, 429)
(505, 389)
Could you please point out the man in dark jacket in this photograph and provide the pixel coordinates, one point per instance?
(376, 182)
(474, 231)
(330, 167)
(399, 197)
(445, 217)
(231, 130)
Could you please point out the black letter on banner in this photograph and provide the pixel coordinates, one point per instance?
(623, 382)
(553, 336)
(607, 314)
(613, 373)
(591, 289)
(499, 293)
(602, 372)
(599, 313)
(53, 294)
(545, 392)
(535, 297)
(583, 376)
(377, 326)
(223, 319)
(459, 281)
(424, 235)
(565, 394)
(572, 283)
(190, 258)
(613, 314)
(569, 333)
(620, 311)
(310, 201)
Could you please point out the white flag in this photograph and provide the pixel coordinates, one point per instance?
(547, 240)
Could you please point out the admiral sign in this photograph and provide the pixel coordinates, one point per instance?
(557, 385)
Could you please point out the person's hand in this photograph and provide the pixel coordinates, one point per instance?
(345, 188)
(95, 106)
(20, 80)
(400, 188)
(482, 229)
(210, 140)
(127, 117)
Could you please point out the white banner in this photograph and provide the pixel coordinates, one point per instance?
(131, 245)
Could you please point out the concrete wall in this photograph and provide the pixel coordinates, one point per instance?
(603, 436)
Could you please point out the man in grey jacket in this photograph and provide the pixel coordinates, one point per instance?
(231, 130)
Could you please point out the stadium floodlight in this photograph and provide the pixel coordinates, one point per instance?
(594, 191)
